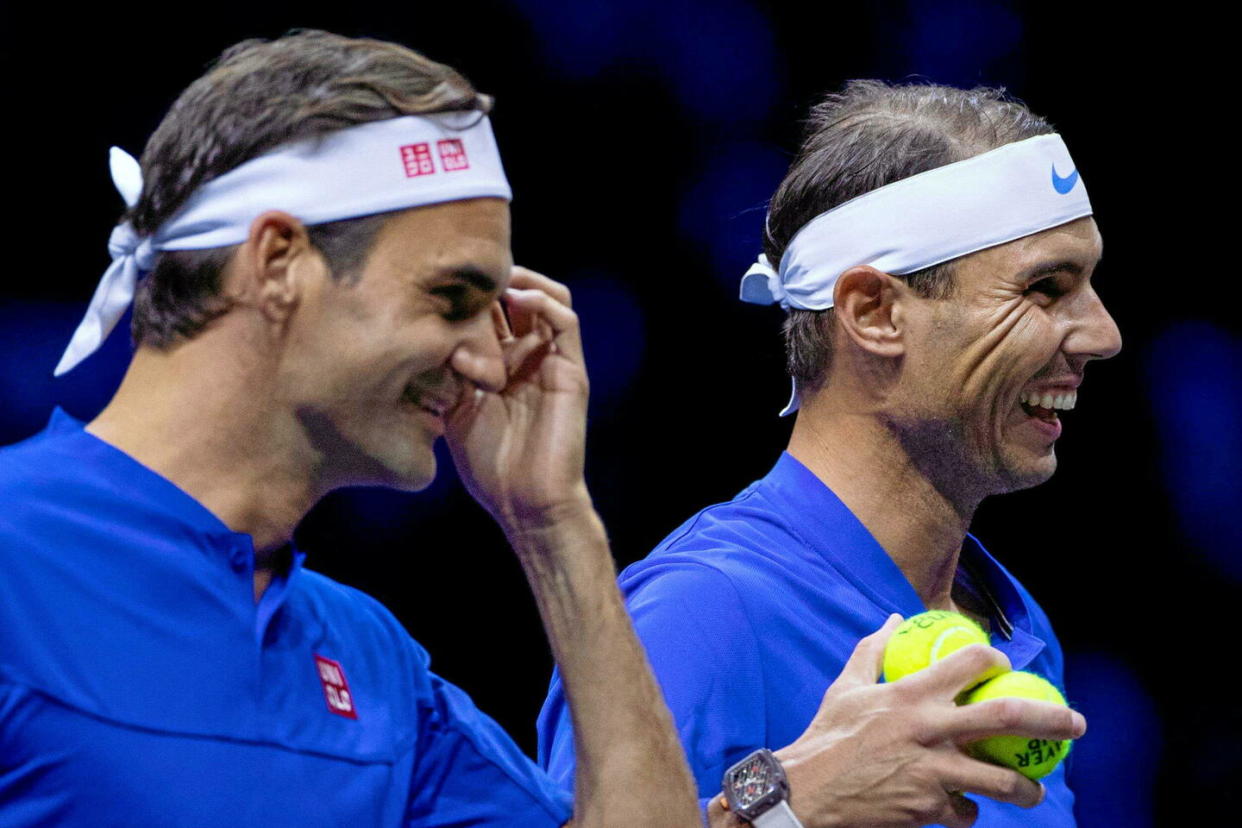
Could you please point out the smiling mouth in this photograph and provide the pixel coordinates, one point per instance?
(1045, 405)
(431, 405)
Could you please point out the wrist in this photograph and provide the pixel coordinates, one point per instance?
(806, 780)
(756, 789)
(549, 528)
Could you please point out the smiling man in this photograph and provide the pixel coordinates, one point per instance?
(317, 243)
(934, 249)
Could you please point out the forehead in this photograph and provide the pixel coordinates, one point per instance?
(1076, 243)
(456, 235)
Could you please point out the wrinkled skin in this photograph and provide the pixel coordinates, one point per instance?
(1022, 314)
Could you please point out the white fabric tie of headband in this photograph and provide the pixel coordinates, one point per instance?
(375, 167)
(924, 220)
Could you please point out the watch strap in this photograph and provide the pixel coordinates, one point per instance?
(779, 815)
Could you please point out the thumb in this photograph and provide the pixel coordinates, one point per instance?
(867, 661)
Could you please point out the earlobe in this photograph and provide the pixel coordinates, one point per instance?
(869, 305)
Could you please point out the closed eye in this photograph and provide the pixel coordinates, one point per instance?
(1048, 287)
(1053, 280)
(457, 297)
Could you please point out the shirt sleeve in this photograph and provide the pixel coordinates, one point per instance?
(705, 655)
(467, 771)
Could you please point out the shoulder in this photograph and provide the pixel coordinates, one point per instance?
(731, 559)
(694, 599)
(29, 470)
(736, 539)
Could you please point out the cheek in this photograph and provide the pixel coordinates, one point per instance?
(999, 351)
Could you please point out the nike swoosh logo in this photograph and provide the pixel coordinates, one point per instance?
(1063, 185)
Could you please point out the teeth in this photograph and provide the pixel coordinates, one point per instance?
(1064, 401)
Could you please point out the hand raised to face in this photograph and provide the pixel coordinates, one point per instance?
(520, 450)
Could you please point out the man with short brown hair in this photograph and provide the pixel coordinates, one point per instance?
(934, 250)
(318, 240)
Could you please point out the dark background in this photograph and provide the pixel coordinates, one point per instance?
(642, 139)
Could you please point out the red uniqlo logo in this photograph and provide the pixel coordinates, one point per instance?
(417, 160)
(452, 155)
(335, 687)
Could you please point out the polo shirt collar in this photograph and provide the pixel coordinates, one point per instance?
(133, 481)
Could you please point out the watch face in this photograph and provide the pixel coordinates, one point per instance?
(751, 782)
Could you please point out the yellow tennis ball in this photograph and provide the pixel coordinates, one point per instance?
(1033, 758)
(924, 639)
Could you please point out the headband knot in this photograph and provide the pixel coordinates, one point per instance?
(125, 243)
(762, 285)
(376, 167)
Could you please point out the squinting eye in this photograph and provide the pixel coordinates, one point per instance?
(1048, 287)
(458, 302)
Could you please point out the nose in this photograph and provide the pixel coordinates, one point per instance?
(478, 358)
(1094, 335)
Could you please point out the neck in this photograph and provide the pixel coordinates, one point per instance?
(203, 419)
(919, 525)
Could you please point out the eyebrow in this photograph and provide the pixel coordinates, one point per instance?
(473, 276)
(1040, 271)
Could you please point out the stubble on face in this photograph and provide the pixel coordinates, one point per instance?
(373, 365)
(970, 359)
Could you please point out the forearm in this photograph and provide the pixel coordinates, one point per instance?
(630, 766)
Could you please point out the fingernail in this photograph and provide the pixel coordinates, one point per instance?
(1080, 723)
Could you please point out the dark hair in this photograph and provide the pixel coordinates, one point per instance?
(258, 95)
(870, 134)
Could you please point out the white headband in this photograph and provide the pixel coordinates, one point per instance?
(928, 218)
(373, 168)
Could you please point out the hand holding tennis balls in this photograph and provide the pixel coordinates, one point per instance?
(1033, 758)
(922, 640)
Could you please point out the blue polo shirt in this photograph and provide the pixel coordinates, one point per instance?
(140, 684)
(751, 608)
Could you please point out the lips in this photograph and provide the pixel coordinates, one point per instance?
(433, 404)
(1041, 405)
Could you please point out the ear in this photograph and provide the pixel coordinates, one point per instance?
(274, 266)
(868, 304)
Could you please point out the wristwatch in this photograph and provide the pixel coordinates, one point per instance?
(757, 791)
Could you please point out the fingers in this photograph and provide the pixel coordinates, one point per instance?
(1013, 716)
(962, 773)
(960, 812)
(526, 353)
(537, 312)
(501, 323)
(960, 670)
(521, 277)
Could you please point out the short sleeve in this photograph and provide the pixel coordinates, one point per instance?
(704, 654)
(467, 771)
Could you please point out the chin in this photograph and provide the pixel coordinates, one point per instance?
(413, 477)
(404, 465)
(1029, 472)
